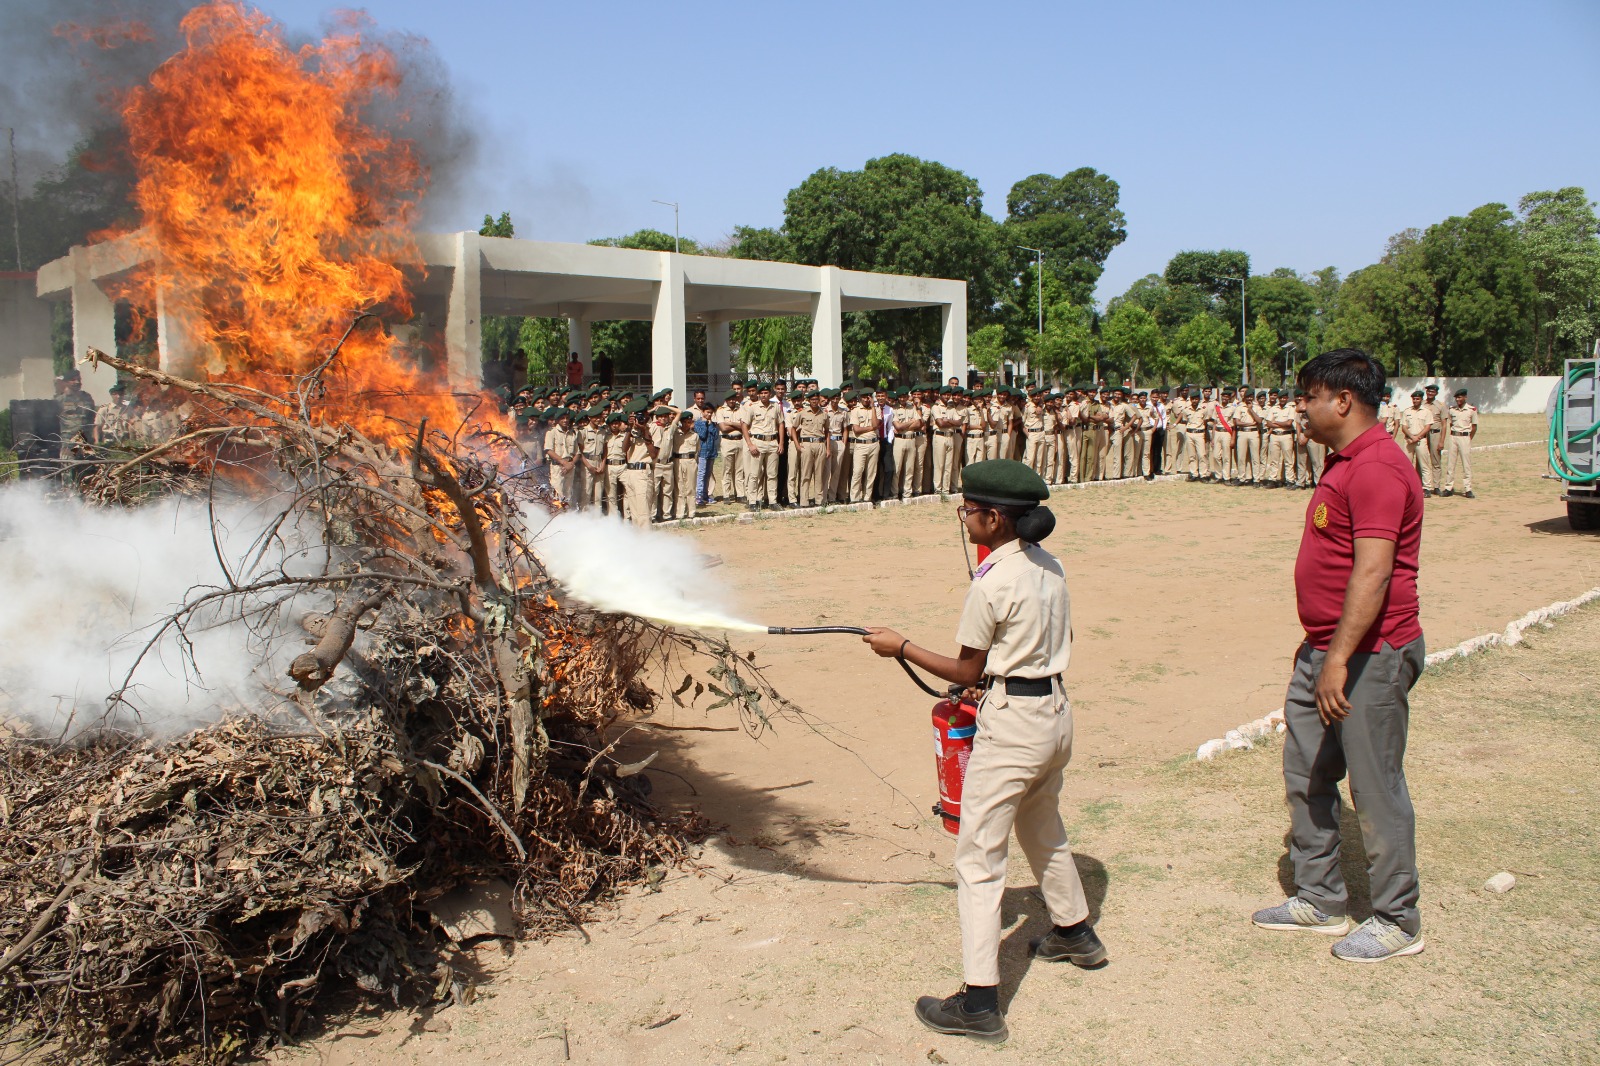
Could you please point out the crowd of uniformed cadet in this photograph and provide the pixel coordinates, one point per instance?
(766, 445)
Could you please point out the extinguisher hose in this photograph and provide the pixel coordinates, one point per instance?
(792, 631)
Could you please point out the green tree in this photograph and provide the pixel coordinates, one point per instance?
(1266, 358)
(544, 343)
(1132, 335)
(1288, 302)
(774, 346)
(1074, 219)
(1388, 309)
(750, 242)
(878, 364)
(900, 215)
(1172, 305)
(1066, 347)
(1483, 294)
(1560, 239)
(986, 347)
(1203, 350)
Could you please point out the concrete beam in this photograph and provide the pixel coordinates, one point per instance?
(668, 340)
(463, 326)
(174, 346)
(827, 332)
(94, 325)
(26, 368)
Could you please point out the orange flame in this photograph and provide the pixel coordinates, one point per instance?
(275, 213)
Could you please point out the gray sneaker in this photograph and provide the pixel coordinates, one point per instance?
(1376, 940)
(1296, 913)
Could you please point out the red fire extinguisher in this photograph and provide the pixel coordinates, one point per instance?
(955, 723)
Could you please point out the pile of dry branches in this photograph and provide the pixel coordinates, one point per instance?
(188, 900)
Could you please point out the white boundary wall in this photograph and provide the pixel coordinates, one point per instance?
(1491, 396)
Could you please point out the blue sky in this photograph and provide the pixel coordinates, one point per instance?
(1303, 134)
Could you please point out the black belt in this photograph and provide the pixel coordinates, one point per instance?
(616, 462)
(733, 436)
(980, 433)
(1453, 433)
(861, 437)
(813, 440)
(1026, 686)
(837, 436)
(685, 455)
(1282, 432)
(765, 436)
(638, 466)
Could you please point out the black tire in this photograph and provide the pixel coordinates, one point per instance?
(1583, 516)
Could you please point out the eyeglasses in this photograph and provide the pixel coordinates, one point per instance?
(966, 510)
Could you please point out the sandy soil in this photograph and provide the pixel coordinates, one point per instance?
(827, 898)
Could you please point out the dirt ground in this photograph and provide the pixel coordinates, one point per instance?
(826, 906)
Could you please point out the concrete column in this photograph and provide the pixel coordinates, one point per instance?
(953, 319)
(668, 340)
(174, 345)
(827, 332)
(26, 371)
(719, 358)
(463, 324)
(578, 340)
(94, 325)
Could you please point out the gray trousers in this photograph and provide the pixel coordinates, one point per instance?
(1369, 746)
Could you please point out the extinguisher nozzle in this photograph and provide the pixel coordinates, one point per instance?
(794, 631)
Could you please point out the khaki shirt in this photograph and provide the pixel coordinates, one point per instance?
(1194, 419)
(1032, 416)
(593, 443)
(728, 419)
(561, 443)
(113, 421)
(975, 422)
(838, 418)
(1245, 416)
(761, 418)
(864, 423)
(1019, 611)
(617, 446)
(1462, 419)
(812, 424)
(636, 450)
(903, 417)
(665, 439)
(1439, 408)
(1416, 421)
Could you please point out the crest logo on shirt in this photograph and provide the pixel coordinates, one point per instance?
(1319, 517)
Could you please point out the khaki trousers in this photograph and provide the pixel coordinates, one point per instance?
(562, 481)
(1280, 457)
(1316, 456)
(1222, 463)
(863, 470)
(1035, 450)
(664, 485)
(1008, 447)
(923, 485)
(905, 485)
(1133, 453)
(636, 485)
(594, 485)
(813, 454)
(1074, 457)
(1176, 457)
(1459, 451)
(832, 453)
(615, 489)
(792, 477)
(684, 505)
(1417, 453)
(977, 450)
(1247, 455)
(944, 448)
(761, 474)
(1436, 455)
(1199, 461)
(733, 460)
(1097, 447)
(1013, 782)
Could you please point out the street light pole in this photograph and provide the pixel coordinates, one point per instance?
(677, 242)
(1038, 269)
(1244, 340)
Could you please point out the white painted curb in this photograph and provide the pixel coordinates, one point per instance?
(1513, 444)
(1243, 737)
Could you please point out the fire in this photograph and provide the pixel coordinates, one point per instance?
(275, 213)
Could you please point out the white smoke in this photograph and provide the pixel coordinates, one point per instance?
(82, 590)
(616, 566)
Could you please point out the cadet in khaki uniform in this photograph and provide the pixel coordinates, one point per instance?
(1416, 422)
(1246, 421)
(947, 430)
(664, 474)
(1279, 420)
(1461, 425)
(1096, 437)
(1389, 415)
(1015, 637)
(975, 433)
(686, 466)
(733, 455)
(1219, 411)
(112, 420)
(864, 445)
(906, 425)
(1035, 446)
(835, 470)
(1432, 401)
(638, 474)
(763, 434)
(812, 431)
(1194, 432)
(592, 445)
(561, 450)
(616, 460)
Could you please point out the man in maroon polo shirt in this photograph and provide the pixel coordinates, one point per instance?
(1346, 711)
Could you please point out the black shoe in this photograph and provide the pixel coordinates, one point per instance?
(950, 1016)
(1468, 495)
(1449, 492)
(1233, 481)
(1081, 949)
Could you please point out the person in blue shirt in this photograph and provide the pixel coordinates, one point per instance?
(705, 427)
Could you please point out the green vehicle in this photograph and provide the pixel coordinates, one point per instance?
(1575, 441)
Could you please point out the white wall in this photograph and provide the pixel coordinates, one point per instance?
(1491, 396)
(26, 370)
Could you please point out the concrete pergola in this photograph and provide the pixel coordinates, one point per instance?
(467, 276)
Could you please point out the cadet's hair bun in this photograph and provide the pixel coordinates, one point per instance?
(1036, 524)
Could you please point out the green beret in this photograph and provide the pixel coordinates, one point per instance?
(732, 396)
(1005, 482)
(829, 394)
(635, 406)
(555, 414)
(1461, 392)
(658, 394)
(1388, 392)
(615, 417)
(1416, 392)
(751, 384)
(1435, 388)
(659, 411)
(687, 412)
